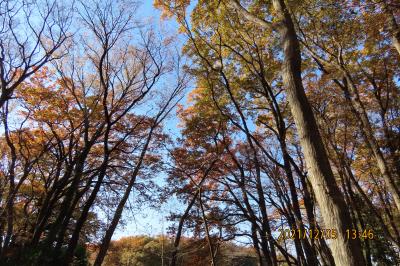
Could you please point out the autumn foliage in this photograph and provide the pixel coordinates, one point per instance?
(291, 121)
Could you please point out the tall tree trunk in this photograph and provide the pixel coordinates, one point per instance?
(48, 203)
(86, 208)
(357, 210)
(395, 31)
(210, 245)
(73, 242)
(311, 257)
(118, 212)
(393, 26)
(325, 252)
(186, 214)
(358, 109)
(256, 245)
(65, 211)
(178, 235)
(328, 195)
(8, 213)
(352, 96)
(266, 234)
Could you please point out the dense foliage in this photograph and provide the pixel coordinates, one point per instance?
(293, 123)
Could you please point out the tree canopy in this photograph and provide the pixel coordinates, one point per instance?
(287, 149)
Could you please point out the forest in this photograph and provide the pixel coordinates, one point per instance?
(269, 131)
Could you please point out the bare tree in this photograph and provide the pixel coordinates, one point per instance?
(32, 34)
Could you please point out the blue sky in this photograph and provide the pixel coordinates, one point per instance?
(143, 220)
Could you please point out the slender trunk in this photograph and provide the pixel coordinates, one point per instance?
(263, 253)
(82, 219)
(185, 215)
(180, 229)
(48, 204)
(69, 198)
(324, 250)
(9, 208)
(366, 199)
(266, 248)
(210, 246)
(266, 235)
(297, 244)
(358, 109)
(357, 210)
(394, 28)
(118, 212)
(64, 227)
(264, 229)
(256, 244)
(311, 257)
(333, 208)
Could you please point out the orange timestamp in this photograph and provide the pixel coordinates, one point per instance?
(307, 233)
(360, 234)
(324, 234)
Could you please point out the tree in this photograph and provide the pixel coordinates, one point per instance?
(33, 34)
(286, 152)
(345, 70)
(329, 198)
(94, 142)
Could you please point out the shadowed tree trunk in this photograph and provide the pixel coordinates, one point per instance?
(328, 195)
(118, 212)
(394, 28)
(210, 245)
(329, 198)
(358, 109)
